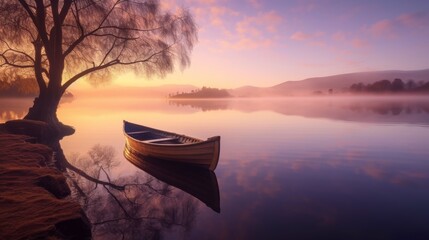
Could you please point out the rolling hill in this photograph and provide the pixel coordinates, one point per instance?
(336, 82)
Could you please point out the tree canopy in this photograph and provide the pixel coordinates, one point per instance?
(62, 41)
(57, 42)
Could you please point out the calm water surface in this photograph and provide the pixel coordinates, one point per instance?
(332, 168)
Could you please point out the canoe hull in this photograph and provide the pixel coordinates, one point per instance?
(198, 182)
(200, 153)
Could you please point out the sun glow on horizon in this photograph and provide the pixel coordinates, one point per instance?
(264, 43)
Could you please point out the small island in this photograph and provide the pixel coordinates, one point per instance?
(204, 92)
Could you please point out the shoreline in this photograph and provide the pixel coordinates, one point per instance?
(34, 196)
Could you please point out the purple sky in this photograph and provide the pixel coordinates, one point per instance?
(263, 43)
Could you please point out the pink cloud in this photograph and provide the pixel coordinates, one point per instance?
(268, 21)
(392, 27)
(234, 28)
(246, 43)
(217, 15)
(382, 28)
(359, 43)
(300, 36)
(255, 3)
(253, 32)
(414, 20)
(207, 2)
(339, 36)
(304, 8)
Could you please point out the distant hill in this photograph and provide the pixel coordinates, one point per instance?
(337, 83)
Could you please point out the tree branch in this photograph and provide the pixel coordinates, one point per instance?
(109, 64)
(87, 71)
(16, 51)
(95, 180)
(108, 52)
(83, 36)
(12, 64)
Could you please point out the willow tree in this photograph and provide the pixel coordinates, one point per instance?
(58, 42)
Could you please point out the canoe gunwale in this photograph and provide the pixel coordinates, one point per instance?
(169, 134)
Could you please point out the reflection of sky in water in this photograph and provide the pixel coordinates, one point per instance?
(343, 169)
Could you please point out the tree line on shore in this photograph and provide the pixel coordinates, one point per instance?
(395, 86)
(22, 87)
(204, 92)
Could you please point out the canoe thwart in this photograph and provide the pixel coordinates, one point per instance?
(160, 140)
(138, 132)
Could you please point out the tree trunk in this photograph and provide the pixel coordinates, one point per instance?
(45, 109)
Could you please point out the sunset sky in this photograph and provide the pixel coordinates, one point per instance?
(263, 43)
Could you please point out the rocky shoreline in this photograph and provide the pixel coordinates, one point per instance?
(35, 199)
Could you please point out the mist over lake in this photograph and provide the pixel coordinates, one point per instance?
(346, 167)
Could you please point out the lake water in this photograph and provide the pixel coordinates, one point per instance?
(297, 168)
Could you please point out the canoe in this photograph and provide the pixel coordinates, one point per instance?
(198, 182)
(155, 143)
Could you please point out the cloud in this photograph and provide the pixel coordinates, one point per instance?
(359, 43)
(252, 32)
(234, 28)
(301, 36)
(255, 3)
(304, 8)
(414, 20)
(217, 15)
(383, 27)
(246, 43)
(206, 2)
(261, 23)
(339, 36)
(393, 27)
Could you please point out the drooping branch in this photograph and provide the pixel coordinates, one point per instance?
(86, 72)
(83, 36)
(12, 63)
(15, 52)
(106, 65)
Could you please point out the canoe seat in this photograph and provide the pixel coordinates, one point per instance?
(138, 132)
(160, 140)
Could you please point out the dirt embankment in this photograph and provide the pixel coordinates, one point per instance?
(34, 202)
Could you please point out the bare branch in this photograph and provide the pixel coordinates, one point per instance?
(86, 72)
(82, 35)
(16, 51)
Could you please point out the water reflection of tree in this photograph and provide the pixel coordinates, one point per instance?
(17, 108)
(299, 106)
(130, 207)
(391, 108)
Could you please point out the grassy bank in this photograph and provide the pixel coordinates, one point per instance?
(34, 200)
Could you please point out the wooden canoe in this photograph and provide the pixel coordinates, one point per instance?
(170, 146)
(198, 182)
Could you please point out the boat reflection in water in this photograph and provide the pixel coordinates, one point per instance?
(198, 182)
